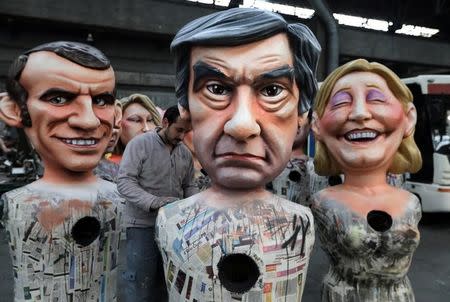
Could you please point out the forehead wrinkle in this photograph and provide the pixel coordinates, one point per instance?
(341, 89)
(75, 86)
(373, 86)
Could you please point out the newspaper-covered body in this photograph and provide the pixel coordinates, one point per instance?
(42, 220)
(193, 237)
(298, 182)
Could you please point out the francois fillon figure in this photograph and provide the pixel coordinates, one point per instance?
(244, 78)
(63, 229)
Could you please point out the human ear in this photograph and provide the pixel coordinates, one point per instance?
(411, 119)
(165, 122)
(117, 114)
(315, 126)
(10, 111)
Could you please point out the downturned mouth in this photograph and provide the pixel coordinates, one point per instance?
(365, 135)
(80, 141)
(240, 155)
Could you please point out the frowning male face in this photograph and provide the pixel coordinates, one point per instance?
(243, 104)
(71, 109)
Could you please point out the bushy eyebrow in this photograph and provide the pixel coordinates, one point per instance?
(203, 70)
(285, 71)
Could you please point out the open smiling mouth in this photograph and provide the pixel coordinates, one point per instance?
(80, 142)
(361, 136)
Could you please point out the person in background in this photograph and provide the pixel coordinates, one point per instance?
(139, 115)
(156, 169)
(298, 181)
(106, 168)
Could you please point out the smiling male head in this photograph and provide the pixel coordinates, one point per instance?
(62, 94)
(244, 76)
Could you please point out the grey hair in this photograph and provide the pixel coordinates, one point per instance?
(239, 26)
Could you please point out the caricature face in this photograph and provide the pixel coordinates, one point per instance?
(71, 109)
(243, 106)
(136, 120)
(363, 123)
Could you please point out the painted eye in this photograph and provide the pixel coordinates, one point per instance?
(340, 98)
(59, 100)
(218, 89)
(134, 119)
(375, 96)
(103, 100)
(272, 90)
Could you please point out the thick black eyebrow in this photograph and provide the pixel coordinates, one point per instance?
(203, 70)
(285, 71)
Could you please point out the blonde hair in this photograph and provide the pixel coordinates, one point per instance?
(407, 158)
(147, 103)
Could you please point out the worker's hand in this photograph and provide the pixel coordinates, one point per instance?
(166, 200)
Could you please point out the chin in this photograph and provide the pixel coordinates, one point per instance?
(83, 166)
(240, 178)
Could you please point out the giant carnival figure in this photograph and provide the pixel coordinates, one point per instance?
(298, 182)
(244, 78)
(364, 124)
(63, 229)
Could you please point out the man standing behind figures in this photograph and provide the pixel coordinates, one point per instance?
(156, 169)
(244, 76)
(64, 228)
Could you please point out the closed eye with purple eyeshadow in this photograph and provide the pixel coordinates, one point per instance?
(341, 97)
(375, 95)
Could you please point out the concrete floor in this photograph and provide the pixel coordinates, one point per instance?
(429, 272)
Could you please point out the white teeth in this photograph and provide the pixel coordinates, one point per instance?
(80, 142)
(362, 134)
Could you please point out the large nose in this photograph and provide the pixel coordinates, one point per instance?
(147, 126)
(243, 125)
(360, 109)
(83, 116)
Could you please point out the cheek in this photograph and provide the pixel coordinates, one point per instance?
(392, 116)
(331, 122)
(128, 128)
(106, 116)
(199, 112)
(151, 126)
(128, 132)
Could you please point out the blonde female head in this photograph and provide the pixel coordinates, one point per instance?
(407, 158)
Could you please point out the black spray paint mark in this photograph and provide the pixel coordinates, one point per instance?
(296, 228)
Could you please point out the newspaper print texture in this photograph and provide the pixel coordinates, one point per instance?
(298, 181)
(48, 264)
(277, 234)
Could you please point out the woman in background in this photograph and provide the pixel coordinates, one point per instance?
(139, 115)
